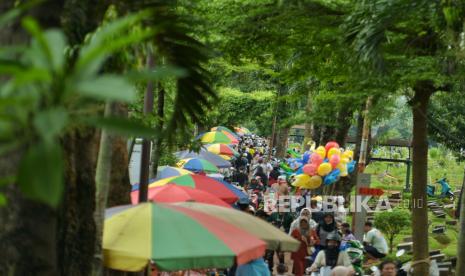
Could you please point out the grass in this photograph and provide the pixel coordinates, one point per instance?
(441, 163)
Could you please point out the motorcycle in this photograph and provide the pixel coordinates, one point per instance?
(354, 249)
(446, 190)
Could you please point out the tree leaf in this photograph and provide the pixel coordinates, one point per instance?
(122, 126)
(56, 41)
(107, 88)
(50, 123)
(3, 200)
(157, 74)
(40, 174)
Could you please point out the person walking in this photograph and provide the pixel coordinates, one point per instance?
(307, 238)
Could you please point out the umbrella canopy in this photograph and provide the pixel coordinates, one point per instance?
(238, 192)
(175, 193)
(174, 239)
(168, 171)
(242, 130)
(165, 172)
(222, 149)
(225, 130)
(218, 137)
(222, 190)
(204, 154)
(198, 165)
(275, 238)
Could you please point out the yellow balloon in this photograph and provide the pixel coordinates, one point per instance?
(344, 160)
(301, 180)
(315, 182)
(333, 151)
(321, 151)
(324, 169)
(343, 168)
(349, 154)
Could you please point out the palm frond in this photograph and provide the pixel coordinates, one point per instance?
(174, 43)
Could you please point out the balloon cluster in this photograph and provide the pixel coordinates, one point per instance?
(325, 165)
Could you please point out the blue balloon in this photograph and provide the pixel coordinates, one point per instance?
(306, 157)
(300, 170)
(351, 166)
(332, 177)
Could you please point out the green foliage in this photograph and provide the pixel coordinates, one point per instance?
(392, 223)
(43, 96)
(239, 108)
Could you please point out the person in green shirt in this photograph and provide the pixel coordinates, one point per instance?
(374, 242)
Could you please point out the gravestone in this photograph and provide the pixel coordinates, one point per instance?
(407, 246)
(434, 252)
(439, 229)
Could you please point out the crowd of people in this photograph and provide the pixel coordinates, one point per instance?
(326, 240)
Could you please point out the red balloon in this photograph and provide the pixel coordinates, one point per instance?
(310, 169)
(316, 159)
(331, 145)
(334, 160)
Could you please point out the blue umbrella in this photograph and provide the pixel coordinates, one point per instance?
(204, 154)
(240, 194)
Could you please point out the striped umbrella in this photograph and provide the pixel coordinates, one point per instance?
(174, 193)
(213, 137)
(226, 131)
(204, 154)
(197, 165)
(174, 238)
(222, 149)
(222, 190)
(274, 237)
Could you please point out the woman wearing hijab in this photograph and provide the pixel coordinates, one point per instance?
(327, 226)
(332, 256)
(307, 238)
(305, 212)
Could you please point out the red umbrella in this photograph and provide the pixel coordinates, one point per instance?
(174, 193)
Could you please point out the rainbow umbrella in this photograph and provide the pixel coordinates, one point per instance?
(222, 149)
(174, 193)
(213, 137)
(226, 131)
(197, 165)
(242, 131)
(222, 190)
(165, 172)
(275, 238)
(204, 154)
(174, 238)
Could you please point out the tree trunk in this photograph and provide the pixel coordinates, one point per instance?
(281, 144)
(460, 269)
(158, 148)
(102, 182)
(423, 91)
(145, 153)
(120, 188)
(308, 134)
(344, 119)
(27, 228)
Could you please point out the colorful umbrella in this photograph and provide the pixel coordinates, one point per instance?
(225, 157)
(174, 193)
(225, 130)
(165, 172)
(242, 131)
(198, 165)
(223, 191)
(222, 149)
(213, 137)
(275, 238)
(174, 238)
(204, 154)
